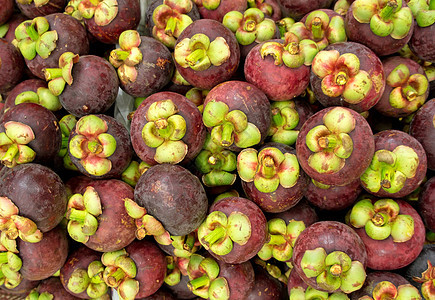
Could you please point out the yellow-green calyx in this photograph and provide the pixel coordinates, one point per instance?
(33, 37)
(381, 219)
(268, 168)
(204, 278)
(92, 145)
(423, 11)
(128, 56)
(284, 25)
(284, 119)
(170, 19)
(58, 77)
(282, 238)
(72, 9)
(409, 90)
(293, 52)
(229, 127)
(427, 281)
(66, 125)
(386, 17)
(389, 170)
(103, 11)
(35, 295)
(208, 4)
(83, 212)
(298, 293)
(330, 142)
(199, 53)
(263, 6)
(13, 144)
(164, 131)
(120, 273)
(10, 266)
(250, 26)
(333, 271)
(218, 232)
(341, 76)
(43, 97)
(88, 280)
(37, 3)
(134, 171)
(387, 290)
(216, 164)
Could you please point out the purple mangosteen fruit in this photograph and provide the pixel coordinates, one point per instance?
(265, 286)
(426, 204)
(270, 8)
(20, 291)
(39, 8)
(422, 40)
(216, 9)
(7, 10)
(7, 30)
(50, 287)
(300, 212)
(11, 66)
(296, 9)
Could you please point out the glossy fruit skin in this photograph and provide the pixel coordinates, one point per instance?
(426, 204)
(369, 62)
(224, 7)
(332, 236)
(355, 164)
(54, 286)
(94, 87)
(300, 212)
(279, 83)
(386, 255)
(265, 286)
(296, 9)
(283, 198)
(422, 128)
(214, 75)
(195, 129)
(422, 42)
(37, 191)
(11, 66)
(174, 196)
(23, 86)
(242, 253)
(32, 11)
(7, 10)
(240, 278)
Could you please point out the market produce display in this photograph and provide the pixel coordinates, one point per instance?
(217, 149)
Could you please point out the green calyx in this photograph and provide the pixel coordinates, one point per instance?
(330, 143)
(218, 232)
(268, 168)
(35, 295)
(229, 127)
(341, 76)
(185, 246)
(92, 145)
(389, 170)
(387, 290)
(66, 125)
(324, 30)
(58, 77)
(298, 293)
(164, 131)
(381, 219)
(37, 3)
(14, 142)
(10, 266)
(282, 239)
(88, 280)
(427, 281)
(333, 271)
(386, 18)
(284, 25)
(103, 11)
(126, 58)
(83, 212)
(72, 9)
(216, 164)
(284, 120)
(262, 5)
(43, 96)
(249, 27)
(170, 19)
(33, 37)
(199, 53)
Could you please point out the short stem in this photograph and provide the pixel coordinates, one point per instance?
(410, 93)
(212, 160)
(277, 117)
(379, 219)
(316, 28)
(189, 242)
(293, 48)
(335, 270)
(199, 282)
(77, 215)
(162, 127)
(227, 134)
(114, 278)
(3, 258)
(268, 169)
(341, 78)
(327, 142)
(432, 5)
(94, 147)
(10, 154)
(121, 54)
(249, 26)
(195, 56)
(31, 31)
(171, 24)
(386, 180)
(388, 10)
(214, 236)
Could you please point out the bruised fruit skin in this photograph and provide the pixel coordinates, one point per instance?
(217, 9)
(426, 204)
(32, 9)
(398, 166)
(329, 146)
(11, 66)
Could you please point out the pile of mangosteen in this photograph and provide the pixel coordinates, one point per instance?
(217, 149)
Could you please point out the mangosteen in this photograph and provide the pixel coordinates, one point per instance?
(11, 66)
(270, 8)
(426, 204)
(216, 9)
(296, 9)
(422, 40)
(39, 8)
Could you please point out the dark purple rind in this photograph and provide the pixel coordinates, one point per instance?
(181, 289)
(6, 11)
(11, 66)
(295, 281)
(223, 8)
(53, 286)
(426, 204)
(300, 212)
(20, 291)
(265, 286)
(240, 278)
(31, 11)
(420, 265)
(23, 86)
(422, 42)
(15, 20)
(296, 9)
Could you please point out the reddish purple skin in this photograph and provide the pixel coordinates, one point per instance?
(23, 289)
(94, 88)
(23, 86)
(373, 279)
(422, 42)
(355, 164)
(54, 286)
(174, 196)
(282, 198)
(296, 9)
(41, 260)
(155, 70)
(11, 66)
(37, 191)
(242, 253)
(331, 236)
(300, 212)
(389, 140)
(120, 158)
(386, 254)
(304, 110)
(240, 278)
(6, 11)
(334, 197)
(214, 75)
(31, 11)
(116, 229)
(279, 83)
(128, 18)
(72, 37)
(276, 9)
(294, 281)
(78, 259)
(195, 134)
(361, 33)
(245, 49)
(369, 62)
(422, 128)
(390, 63)
(243, 96)
(223, 8)
(15, 20)
(151, 266)
(265, 286)
(426, 204)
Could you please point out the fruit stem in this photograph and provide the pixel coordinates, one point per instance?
(199, 282)
(432, 5)
(3, 258)
(387, 12)
(316, 28)
(379, 219)
(195, 57)
(52, 73)
(77, 215)
(214, 236)
(277, 117)
(163, 128)
(410, 93)
(335, 270)
(293, 48)
(121, 54)
(31, 31)
(268, 169)
(171, 24)
(341, 78)
(249, 26)
(327, 142)
(115, 278)
(94, 147)
(10, 154)
(227, 133)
